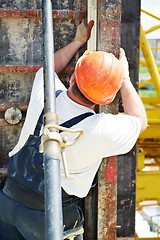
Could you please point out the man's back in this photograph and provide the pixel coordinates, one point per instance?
(104, 135)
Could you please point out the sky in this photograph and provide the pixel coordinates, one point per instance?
(152, 6)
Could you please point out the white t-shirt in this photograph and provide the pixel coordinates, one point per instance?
(104, 135)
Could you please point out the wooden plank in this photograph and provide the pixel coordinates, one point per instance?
(108, 40)
(130, 20)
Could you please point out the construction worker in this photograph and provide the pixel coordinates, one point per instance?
(13, 224)
(98, 77)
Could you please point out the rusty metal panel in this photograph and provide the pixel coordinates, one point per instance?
(126, 194)
(15, 87)
(107, 199)
(109, 26)
(20, 4)
(14, 92)
(21, 55)
(37, 4)
(90, 210)
(21, 39)
(9, 137)
(130, 29)
(108, 40)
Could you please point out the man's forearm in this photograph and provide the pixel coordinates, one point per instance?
(65, 54)
(132, 103)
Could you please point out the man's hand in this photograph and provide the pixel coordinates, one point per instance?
(84, 32)
(124, 63)
(64, 55)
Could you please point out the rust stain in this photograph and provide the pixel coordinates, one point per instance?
(68, 69)
(107, 200)
(57, 14)
(19, 68)
(111, 170)
(22, 106)
(20, 13)
(111, 232)
(109, 41)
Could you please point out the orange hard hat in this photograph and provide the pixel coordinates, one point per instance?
(98, 76)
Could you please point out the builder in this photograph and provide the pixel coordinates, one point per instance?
(98, 77)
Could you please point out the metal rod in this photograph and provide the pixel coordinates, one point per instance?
(51, 155)
(48, 56)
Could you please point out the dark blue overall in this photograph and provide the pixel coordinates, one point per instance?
(22, 199)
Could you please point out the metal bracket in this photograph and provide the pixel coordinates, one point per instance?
(63, 142)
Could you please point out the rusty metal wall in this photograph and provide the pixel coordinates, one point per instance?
(109, 15)
(21, 55)
(130, 30)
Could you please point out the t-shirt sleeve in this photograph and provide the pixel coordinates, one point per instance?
(118, 133)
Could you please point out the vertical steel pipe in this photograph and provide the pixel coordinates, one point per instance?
(51, 155)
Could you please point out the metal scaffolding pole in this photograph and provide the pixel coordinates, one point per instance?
(51, 155)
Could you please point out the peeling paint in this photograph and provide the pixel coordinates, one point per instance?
(108, 40)
(111, 171)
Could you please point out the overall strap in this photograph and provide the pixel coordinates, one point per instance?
(67, 124)
(75, 120)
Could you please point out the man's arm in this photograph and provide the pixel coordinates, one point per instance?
(132, 103)
(65, 54)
